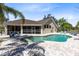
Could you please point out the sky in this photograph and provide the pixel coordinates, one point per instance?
(36, 11)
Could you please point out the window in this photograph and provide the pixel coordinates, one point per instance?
(44, 26)
(47, 26)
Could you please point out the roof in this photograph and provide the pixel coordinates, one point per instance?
(19, 22)
(30, 22)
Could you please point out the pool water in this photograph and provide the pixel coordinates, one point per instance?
(56, 37)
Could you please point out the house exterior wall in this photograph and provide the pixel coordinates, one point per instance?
(50, 30)
(41, 29)
(46, 30)
(53, 27)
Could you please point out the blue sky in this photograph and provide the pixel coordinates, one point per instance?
(36, 11)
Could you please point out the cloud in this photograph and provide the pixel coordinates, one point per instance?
(37, 7)
(37, 10)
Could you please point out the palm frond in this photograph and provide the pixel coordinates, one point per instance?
(2, 17)
(14, 12)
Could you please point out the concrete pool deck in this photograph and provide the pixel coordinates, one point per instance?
(52, 48)
(69, 48)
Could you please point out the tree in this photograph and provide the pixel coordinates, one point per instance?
(64, 25)
(8, 10)
(60, 23)
(77, 26)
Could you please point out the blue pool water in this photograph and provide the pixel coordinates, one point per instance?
(55, 37)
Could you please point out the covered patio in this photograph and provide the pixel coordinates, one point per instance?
(24, 29)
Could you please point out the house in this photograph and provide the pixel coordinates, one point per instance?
(46, 25)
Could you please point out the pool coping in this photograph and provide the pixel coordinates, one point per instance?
(47, 34)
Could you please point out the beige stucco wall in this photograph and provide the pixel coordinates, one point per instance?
(53, 27)
(47, 30)
(50, 30)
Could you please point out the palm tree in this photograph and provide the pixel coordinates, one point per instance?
(8, 10)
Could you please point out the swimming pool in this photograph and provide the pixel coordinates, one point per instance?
(54, 37)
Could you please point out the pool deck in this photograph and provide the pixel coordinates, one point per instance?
(68, 48)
